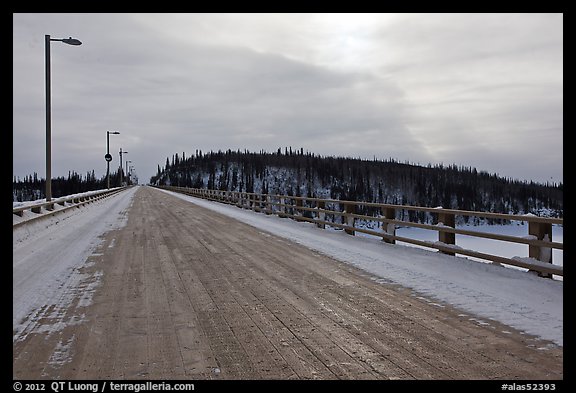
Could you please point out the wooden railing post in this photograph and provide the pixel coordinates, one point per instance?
(256, 202)
(321, 215)
(282, 212)
(261, 198)
(350, 208)
(449, 220)
(298, 212)
(542, 231)
(268, 205)
(389, 228)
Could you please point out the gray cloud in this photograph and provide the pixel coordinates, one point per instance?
(482, 90)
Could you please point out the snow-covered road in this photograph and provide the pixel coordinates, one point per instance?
(48, 254)
(47, 257)
(147, 285)
(516, 298)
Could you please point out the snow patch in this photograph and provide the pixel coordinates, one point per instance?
(62, 353)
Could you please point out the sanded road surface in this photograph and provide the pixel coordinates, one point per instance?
(187, 293)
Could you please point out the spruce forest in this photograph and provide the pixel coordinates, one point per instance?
(32, 187)
(296, 173)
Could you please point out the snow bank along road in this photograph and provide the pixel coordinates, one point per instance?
(145, 285)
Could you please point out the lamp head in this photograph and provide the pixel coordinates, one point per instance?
(71, 41)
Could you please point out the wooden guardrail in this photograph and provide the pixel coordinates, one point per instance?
(317, 210)
(48, 209)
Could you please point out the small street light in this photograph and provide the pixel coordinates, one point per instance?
(47, 40)
(108, 157)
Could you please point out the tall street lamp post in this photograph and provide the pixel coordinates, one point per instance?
(121, 152)
(127, 173)
(47, 39)
(108, 157)
(135, 177)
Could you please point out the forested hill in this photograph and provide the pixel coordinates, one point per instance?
(306, 174)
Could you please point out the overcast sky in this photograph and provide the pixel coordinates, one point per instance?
(481, 90)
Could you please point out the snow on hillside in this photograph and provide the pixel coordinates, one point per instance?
(524, 301)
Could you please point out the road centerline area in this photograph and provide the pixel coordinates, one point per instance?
(184, 292)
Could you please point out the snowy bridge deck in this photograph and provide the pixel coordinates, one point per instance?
(146, 285)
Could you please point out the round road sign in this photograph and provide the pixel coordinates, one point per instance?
(108, 157)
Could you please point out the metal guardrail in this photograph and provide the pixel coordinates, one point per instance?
(316, 210)
(48, 209)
